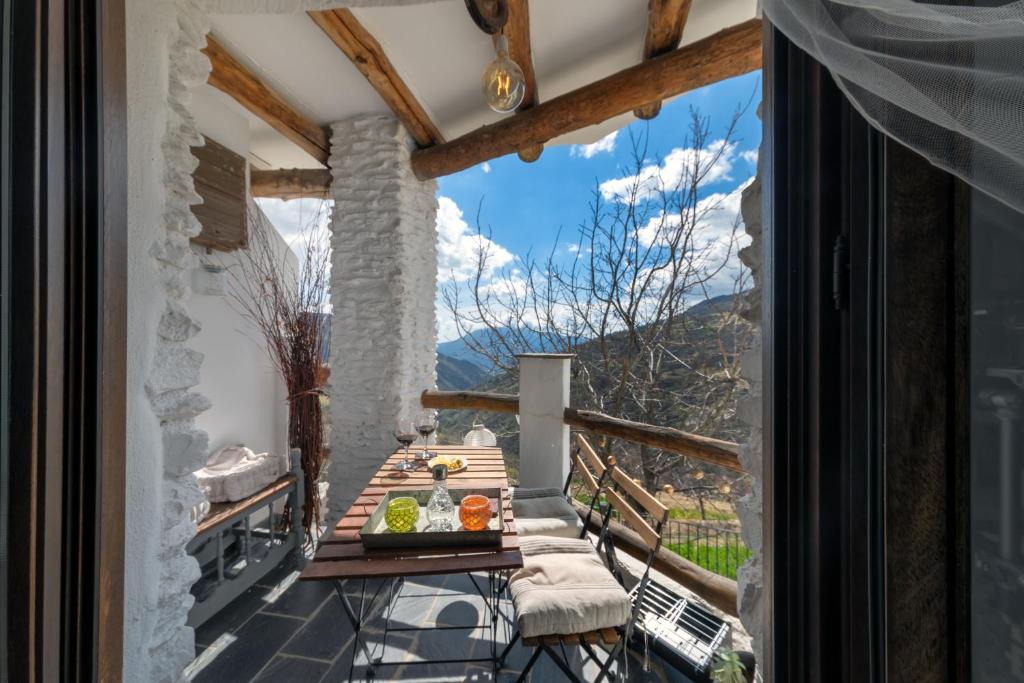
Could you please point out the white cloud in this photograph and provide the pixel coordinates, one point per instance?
(572, 247)
(605, 144)
(749, 156)
(458, 246)
(485, 167)
(714, 242)
(677, 166)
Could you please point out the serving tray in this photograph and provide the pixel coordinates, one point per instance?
(375, 533)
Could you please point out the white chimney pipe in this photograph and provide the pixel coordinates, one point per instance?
(543, 436)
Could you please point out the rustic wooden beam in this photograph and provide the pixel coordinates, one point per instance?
(359, 45)
(717, 590)
(235, 79)
(290, 183)
(666, 20)
(470, 400)
(517, 32)
(714, 451)
(729, 53)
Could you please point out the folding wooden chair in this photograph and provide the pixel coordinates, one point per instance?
(613, 637)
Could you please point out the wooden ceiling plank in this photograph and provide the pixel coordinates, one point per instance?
(359, 45)
(666, 20)
(290, 183)
(235, 79)
(728, 53)
(520, 50)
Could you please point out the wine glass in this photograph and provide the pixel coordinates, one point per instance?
(405, 433)
(426, 426)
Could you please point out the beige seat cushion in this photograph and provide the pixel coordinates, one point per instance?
(546, 516)
(564, 588)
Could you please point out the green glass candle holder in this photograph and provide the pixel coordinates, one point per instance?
(402, 514)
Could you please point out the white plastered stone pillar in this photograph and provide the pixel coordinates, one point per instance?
(543, 434)
(750, 577)
(383, 293)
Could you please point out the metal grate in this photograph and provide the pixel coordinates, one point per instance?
(678, 627)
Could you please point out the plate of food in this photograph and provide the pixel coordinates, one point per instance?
(454, 463)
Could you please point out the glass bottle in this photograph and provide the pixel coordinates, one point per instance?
(440, 508)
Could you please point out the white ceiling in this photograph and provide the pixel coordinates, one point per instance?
(440, 54)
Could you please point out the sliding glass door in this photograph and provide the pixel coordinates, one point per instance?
(997, 441)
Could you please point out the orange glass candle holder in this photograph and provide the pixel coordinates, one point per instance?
(475, 513)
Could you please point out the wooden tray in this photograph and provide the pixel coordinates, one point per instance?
(375, 533)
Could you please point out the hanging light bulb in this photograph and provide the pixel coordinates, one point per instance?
(503, 82)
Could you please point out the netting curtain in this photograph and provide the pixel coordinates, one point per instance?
(947, 81)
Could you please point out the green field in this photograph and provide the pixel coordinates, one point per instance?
(723, 560)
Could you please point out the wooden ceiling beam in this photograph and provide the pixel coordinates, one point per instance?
(290, 183)
(517, 32)
(359, 45)
(233, 78)
(666, 20)
(728, 53)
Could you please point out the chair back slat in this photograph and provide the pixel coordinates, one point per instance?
(632, 518)
(588, 479)
(595, 461)
(639, 494)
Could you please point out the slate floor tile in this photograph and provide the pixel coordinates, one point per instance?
(232, 616)
(292, 670)
(277, 575)
(301, 599)
(253, 646)
(323, 636)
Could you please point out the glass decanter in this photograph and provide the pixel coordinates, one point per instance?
(440, 508)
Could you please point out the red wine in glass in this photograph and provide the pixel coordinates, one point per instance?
(407, 437)
(425, 428)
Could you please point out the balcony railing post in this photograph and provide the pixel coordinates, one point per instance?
(543, 434)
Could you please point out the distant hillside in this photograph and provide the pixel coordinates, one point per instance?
(455, 374)
(698, 348)
(461, 348)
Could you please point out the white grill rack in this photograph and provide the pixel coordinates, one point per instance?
(680, 625)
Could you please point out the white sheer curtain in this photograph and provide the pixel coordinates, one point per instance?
(947, 81)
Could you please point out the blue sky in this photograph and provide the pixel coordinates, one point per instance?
(524, 205)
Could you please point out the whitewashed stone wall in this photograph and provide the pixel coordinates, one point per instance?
(749, 577)
(164, 445)
(383, 290)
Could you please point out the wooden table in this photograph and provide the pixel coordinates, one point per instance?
(342, 558)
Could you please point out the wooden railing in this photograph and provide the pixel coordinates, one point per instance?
(470, 400)
(714, 451)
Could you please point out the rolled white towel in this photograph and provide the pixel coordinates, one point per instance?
(233, 473)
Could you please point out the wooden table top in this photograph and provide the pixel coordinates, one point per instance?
(342, 556)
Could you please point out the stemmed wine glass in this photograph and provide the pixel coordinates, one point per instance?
(405, 433)
(426, 426)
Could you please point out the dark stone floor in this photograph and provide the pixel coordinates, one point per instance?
(286, 630)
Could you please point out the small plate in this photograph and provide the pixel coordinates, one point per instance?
(465, 464)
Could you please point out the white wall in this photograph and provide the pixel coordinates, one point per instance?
(237, 376)
(246, 391)
(147, 122)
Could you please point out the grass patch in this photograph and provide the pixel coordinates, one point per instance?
(720, 559)
(694, 514)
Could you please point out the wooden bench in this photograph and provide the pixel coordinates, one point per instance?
(225, 538)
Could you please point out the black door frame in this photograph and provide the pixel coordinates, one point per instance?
(63, 238)
(865, 329)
